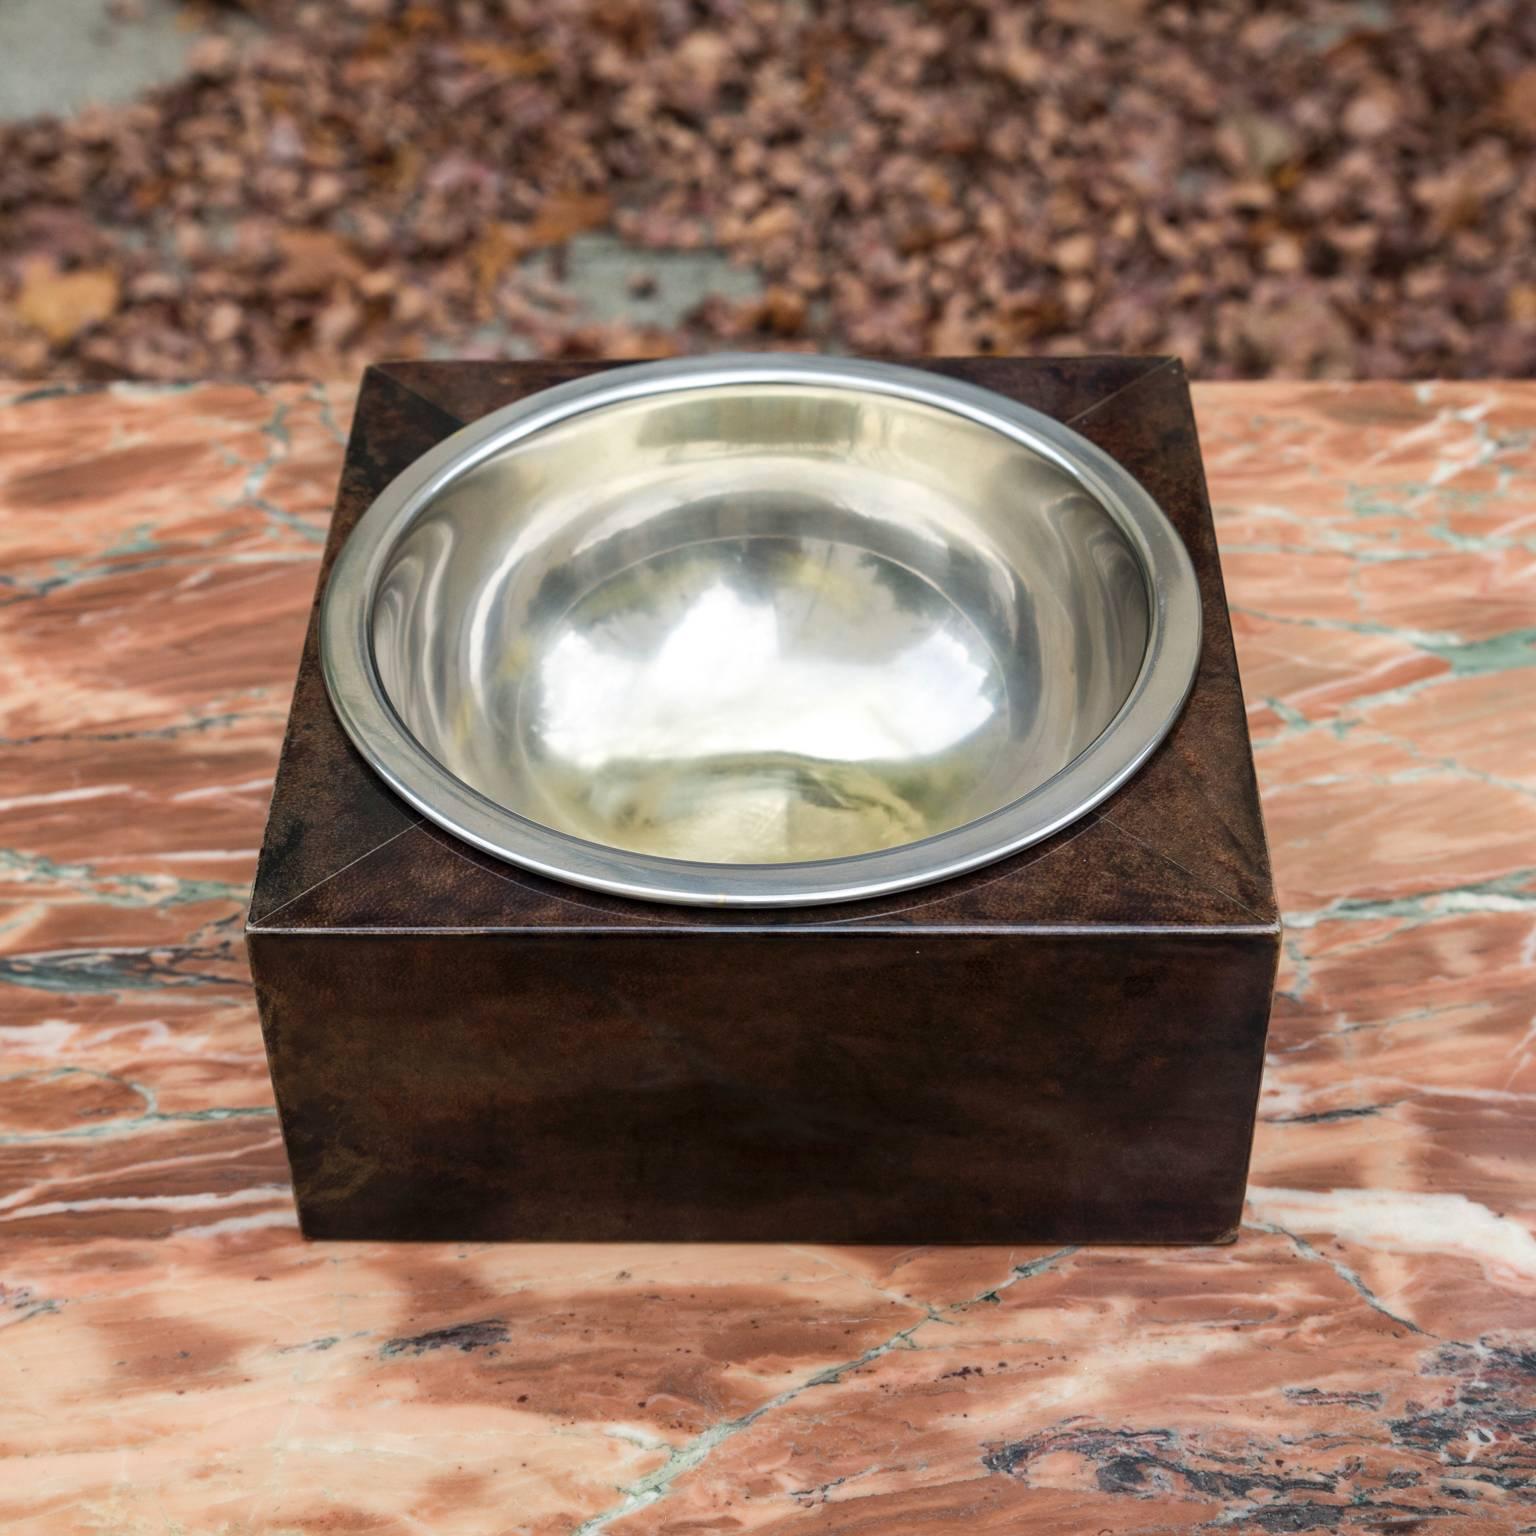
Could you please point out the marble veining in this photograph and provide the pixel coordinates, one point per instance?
(174, 1358)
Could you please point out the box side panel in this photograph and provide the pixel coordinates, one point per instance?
(860, 1088)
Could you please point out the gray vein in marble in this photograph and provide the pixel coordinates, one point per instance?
(685, 1458)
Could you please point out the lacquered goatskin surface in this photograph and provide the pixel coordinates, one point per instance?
(1050, 1048)
(174, 1356)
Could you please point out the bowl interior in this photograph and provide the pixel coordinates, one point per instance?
(760, 623)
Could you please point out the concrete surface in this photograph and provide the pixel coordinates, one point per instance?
(599, 269)
(57, 56)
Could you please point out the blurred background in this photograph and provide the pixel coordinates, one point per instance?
(277, 188)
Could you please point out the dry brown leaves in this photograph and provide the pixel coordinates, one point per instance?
(1306, 188)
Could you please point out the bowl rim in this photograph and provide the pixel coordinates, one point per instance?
(369, 719)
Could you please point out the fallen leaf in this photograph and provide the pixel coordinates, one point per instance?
(62, 304)
(223, 323)
(1517, 101)
(1521, 306)
(312, 260)
(566, 214)
(505, 59)
(1111, 18)
(1075, 253)
(771, 223)
(497, 248)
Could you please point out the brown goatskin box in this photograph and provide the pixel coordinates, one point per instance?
(1063, 1047)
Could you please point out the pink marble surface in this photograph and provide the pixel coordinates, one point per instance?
(175, 1359)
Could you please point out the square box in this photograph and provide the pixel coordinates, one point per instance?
(1064, 1046)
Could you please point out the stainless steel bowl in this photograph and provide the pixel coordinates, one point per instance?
(760, 631)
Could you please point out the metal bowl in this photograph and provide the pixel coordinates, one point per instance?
(760, 631)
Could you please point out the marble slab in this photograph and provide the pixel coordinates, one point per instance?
(175, 1358)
